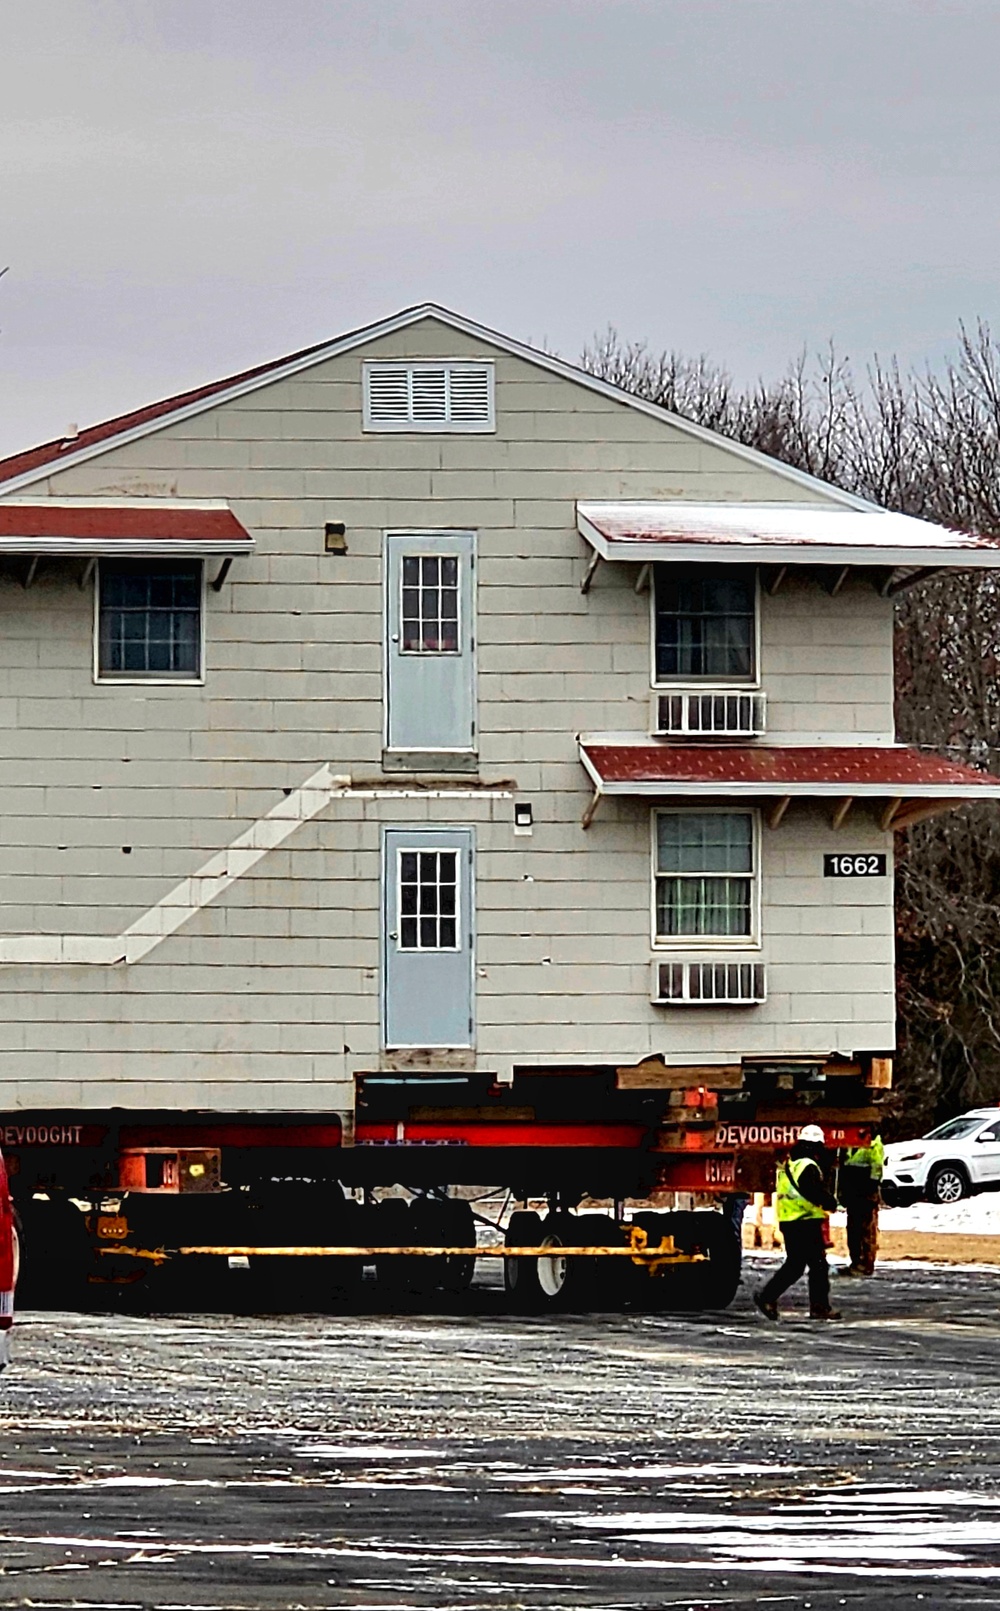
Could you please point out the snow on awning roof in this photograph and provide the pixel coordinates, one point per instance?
(776, 534)
(784, 771)
(137, 528)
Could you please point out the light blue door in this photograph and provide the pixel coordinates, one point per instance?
(427, 937)
(430, 652)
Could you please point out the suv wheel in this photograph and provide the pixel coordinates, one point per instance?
(948, 1184)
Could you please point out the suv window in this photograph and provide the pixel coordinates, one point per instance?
(953, 1130)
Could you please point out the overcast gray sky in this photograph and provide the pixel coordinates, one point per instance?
(188, 187)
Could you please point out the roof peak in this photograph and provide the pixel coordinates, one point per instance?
(21, 469)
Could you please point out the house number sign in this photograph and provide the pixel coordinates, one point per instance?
(854, 866)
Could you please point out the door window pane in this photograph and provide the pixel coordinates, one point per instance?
(429, 604)
(705, 874)
(428, 900)
(150, 618)
(705, 622)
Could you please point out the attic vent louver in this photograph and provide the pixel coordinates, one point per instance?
(428, 396)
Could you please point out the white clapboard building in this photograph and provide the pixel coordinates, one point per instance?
(418, 704)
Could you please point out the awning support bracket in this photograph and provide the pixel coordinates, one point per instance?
(840, 811)
(890, 814)
(87, 572)
(588, 815)
(32, 571)
(223, 572)
(776, 814)
(903, 582)
(642, 580)
(588, 575)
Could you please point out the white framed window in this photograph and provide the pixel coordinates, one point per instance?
(705, 624)
(149, 620)
(428, 900)
(429, 604)
(706, 877)
(429, 395)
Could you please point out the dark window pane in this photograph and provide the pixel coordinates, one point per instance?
(430, 569)
(447, 901)
(408, 866)
(448, 931)
(411, 571)
(449, 572)
(408, 933)
(428, 900)
(408, 899)
(704, 621)
(428, 866)
(150, 618)
(428, 933)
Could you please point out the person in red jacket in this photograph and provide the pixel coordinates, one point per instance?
(8, 1266)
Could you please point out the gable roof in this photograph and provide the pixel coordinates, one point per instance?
(21, 469)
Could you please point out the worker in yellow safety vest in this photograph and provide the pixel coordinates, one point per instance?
(803, 1206)
(860, 1181)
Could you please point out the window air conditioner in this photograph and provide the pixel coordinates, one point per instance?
(708, 984)
(709, 713)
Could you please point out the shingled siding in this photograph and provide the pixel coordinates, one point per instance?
(269, 998)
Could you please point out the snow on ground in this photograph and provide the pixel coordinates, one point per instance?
(973, 1216)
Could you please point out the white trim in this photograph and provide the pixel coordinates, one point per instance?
(191, 895)
(466, 327)
(133, 679)
(444, 427)
(125, 547)
(709, 943)
(435, 850)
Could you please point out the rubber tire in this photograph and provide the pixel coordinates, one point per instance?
(693, 1287)
(57, 1257)
(520, 1276)
(460, 1231)
(586, 1284)
(397, 1277)
(942, 1171)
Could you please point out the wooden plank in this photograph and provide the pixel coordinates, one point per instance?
(880, 1074)
(655, 1075)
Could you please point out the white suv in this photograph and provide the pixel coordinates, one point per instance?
(959, 1157)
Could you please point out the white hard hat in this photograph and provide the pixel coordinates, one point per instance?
(813, 1133)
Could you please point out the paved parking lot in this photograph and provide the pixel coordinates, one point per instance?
(482, 1460)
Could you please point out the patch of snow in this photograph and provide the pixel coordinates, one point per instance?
(973, 1216)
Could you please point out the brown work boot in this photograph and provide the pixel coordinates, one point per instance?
(825, 1314)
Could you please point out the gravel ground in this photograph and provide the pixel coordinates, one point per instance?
(447, 1460)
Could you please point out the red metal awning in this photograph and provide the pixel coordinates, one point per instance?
(140, 528)
(891, 772)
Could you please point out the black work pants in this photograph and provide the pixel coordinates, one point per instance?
(804, 1247)
(862, 1233)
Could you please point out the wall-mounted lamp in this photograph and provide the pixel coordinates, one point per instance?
(336, 537)
(523, 817)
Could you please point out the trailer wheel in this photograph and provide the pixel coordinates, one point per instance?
(709, 1285)
(520, 1276)
(581, 1284)
(398, 1276)
(460, 1228)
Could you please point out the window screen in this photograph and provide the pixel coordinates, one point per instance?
(704, 874)
(705, 621)
(428, 900)
(429, 605)
(150, 618)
